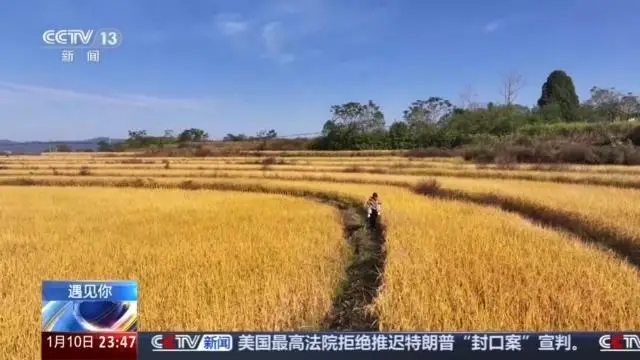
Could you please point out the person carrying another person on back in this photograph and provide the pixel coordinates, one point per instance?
(374, 209)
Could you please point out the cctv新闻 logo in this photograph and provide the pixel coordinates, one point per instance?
(185, 342)
(68, 37)
(619, 343)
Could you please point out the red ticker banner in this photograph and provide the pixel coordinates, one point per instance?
(89, 346)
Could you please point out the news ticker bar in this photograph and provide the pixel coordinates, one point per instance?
(338, 345)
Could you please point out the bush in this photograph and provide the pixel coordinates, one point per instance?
(479, 154)
(428, 187)
(634, 136)
(523, 154)
(577, 154)
(550, 167)
(132, 161)
(202, 152)
(484, 139)
(506, 156)
(581, 132)
(353, 169)
(431, 152)
(545, 153)
(631, 155)
(609, 155)
(84, 171)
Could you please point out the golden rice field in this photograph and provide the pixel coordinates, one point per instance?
(614, 175)
(243, 260)
(235, 264)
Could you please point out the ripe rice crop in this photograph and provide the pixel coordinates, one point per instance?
(450, 265)
(604, 206)
(378, 161)
(626, 180)
(592, 202)
(604, 169)
(204, 260)
(458, 266)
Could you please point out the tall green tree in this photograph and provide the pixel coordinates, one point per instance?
(559, 92)
(169, 134)
(234, 137)
(362, 118)
(354, 126)
(104, 146)
(138, 138)
(630, 105)
(192, 135)
(612, 105)
(264, 134)
(427, 112)
(400, 135)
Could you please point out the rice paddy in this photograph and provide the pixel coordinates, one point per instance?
(203, 237)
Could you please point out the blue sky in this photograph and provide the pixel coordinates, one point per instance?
(247, 65)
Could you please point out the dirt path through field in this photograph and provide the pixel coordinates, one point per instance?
(353, 305)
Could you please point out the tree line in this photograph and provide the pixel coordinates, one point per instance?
(435, 122)
(189, 137)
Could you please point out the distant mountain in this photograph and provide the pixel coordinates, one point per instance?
(42, 146)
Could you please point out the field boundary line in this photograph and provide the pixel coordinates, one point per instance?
(605, 238)
(588, 179)
(353, 304)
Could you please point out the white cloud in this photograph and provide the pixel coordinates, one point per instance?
(516, 19)
(230, 24)
(39, 112)
(281, 30)
(492, 26)
(18, 93)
